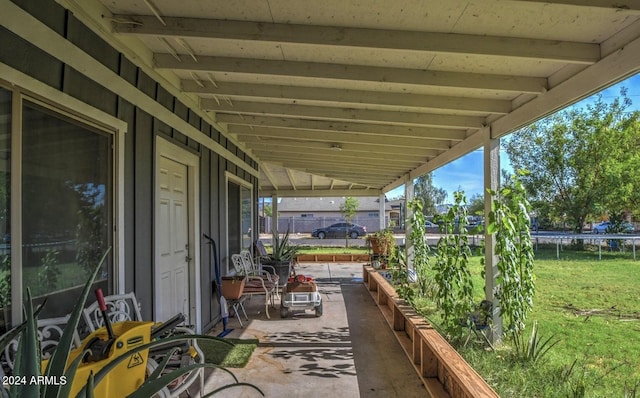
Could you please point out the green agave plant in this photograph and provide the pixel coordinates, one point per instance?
(28, 359)
(283, 250)
(535, 347)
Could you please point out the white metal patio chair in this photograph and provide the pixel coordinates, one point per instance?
(120, 308)
(255, 285)
(256, 268)
(49, 334)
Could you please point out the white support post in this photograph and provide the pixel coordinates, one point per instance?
(491, 181)
(408, 197)
(382, 212)
(274, 212)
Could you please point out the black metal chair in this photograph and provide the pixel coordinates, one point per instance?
(479, 321)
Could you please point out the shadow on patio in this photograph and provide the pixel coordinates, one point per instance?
(347, 352)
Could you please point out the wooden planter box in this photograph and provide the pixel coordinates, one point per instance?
(333, 258)
(232, 287)
(442, 370)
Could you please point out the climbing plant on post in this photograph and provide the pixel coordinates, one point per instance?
(509, 221)
(454, 296)
(419, 256)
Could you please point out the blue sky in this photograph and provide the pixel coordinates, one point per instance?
(467, 172)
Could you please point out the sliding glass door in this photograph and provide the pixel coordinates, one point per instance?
(57, 170)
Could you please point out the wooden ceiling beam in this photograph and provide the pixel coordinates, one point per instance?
(379, 39)
(342, 162)
(340, 137)
(341, 97)
(629, 7)
(322, 192)
(351, 127)
(264, 168)
(327, 168)
(332, 139)
(258, 143)
(340, 72)
(342, 114)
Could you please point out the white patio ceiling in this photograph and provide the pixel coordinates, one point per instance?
(359, 96)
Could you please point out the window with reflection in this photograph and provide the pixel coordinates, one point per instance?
(5, 213)
(239, 214)
(245, 217)
(67, 217)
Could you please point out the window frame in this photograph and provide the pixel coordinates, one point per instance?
(25, 88)
(229, 177)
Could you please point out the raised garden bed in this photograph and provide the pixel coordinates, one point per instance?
(443, 371)
(336, 258)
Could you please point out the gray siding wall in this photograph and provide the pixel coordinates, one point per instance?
(139, 145)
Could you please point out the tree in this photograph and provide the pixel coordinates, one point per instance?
(268, 210)
(582, 161)
(428, 194)
(348, 210)
(476, 204)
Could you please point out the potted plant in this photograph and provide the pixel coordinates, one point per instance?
(382, 242)
(232, 287)
(283, 253)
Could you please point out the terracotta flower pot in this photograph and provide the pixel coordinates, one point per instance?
(378, 246)
(232, 287)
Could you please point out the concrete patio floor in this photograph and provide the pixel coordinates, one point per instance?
(347, 352)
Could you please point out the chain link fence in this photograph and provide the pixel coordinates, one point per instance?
(302, 225)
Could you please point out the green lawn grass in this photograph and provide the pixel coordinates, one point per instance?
(593, 308)
(307, 249)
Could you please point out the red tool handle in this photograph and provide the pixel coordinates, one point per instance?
(103, 310)
(100, 298)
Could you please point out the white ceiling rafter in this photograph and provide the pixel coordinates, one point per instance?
(391, 160)
(267, 172)
(489, 82)
(323, 148)
(289, 81)
(330, 164)
(353, 97)
(431, 42)
(611, 4)
(291, 179)
(345, 114)
(340, 137)
(353, 127)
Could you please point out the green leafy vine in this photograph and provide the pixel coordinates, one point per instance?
(509, 221)
(420, 252)
(454, 296)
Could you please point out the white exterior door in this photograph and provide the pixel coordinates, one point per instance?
(172, 293)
